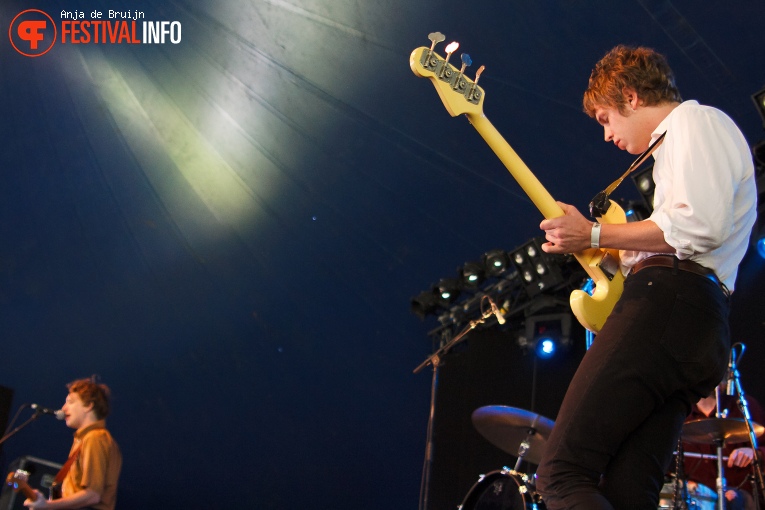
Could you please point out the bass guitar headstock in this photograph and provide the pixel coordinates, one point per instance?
(17, 477)
(460, 94)
(18, 481)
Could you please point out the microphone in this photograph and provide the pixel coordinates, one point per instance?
(731, 374)
(58, 413)
(496, 312)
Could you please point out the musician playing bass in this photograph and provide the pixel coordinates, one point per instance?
(666, 343)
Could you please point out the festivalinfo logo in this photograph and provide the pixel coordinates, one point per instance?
(33, 32)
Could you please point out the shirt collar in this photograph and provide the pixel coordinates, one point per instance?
(663, 124)
(100, 424)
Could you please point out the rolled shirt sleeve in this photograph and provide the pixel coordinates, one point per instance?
(705, 197)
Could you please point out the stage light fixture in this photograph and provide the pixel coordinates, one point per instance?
(757, 238)
(759, 103)
(539, 270)
(424, 304)
(495, 262)
(758, 151)
(447, 291)
(472, 274)
(643, 180)
(547, 334)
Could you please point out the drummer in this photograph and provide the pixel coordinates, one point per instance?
(739, 465)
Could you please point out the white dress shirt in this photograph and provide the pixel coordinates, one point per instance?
(705, 200)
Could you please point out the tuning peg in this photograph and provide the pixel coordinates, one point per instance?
(466, 61)
(471, 94)
(450, 48)
(435, 38)
(478, 74)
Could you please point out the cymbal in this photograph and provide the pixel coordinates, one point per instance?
(713, 430)
(506, 428)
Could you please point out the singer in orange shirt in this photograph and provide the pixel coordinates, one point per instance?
(91, 480)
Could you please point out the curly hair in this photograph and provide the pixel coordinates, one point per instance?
(642, 69)
(90, 391)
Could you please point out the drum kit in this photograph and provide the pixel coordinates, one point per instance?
(679, 493)
(523, 434)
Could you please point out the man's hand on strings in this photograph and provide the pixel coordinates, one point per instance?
(569, 233)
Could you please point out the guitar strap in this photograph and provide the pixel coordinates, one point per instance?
(67, 465)
(639, 161)
(600, 203)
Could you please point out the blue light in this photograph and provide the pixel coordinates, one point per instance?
(589, 286)
(545, 347)
(761, 247)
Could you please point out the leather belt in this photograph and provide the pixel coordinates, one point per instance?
(672, 262)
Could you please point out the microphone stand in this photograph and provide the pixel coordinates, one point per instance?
(680, 497)
(435, 360)
(759, 485)
(13, 432)
(720, 482)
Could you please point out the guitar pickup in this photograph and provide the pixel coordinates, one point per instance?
(609, 265)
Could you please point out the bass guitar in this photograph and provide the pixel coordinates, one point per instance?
(19, 481)
(462, 96)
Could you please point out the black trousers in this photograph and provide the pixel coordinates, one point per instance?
(665, 345)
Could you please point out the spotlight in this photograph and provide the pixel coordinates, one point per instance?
(472, 275)
(539, 270)
(547, 334)
(495, 262)
(588, 286)
(447, 291)
(546, 347)
(643, 181)
(761, 247)
(424, 304)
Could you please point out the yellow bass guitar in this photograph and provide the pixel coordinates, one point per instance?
(463, 96)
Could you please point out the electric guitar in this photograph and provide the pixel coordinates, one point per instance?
(462, 95)
(19, 479)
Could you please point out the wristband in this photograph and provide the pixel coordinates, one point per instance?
(595, 235)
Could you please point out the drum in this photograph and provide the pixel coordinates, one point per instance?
(700, 497)
(502, 490)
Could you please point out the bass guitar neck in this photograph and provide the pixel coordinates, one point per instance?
(463, 96)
